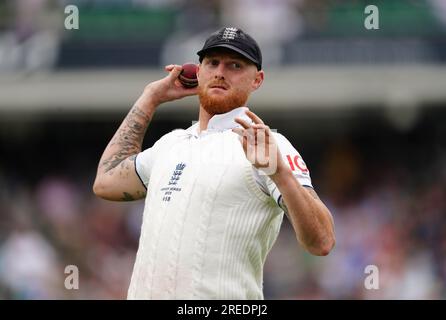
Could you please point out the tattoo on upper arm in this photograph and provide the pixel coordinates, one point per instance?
(128, 197)
(129, 138)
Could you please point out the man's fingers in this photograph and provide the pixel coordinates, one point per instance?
(190, 91)
(175, 71)
(239, 131)
(242, 137)
(261, 136)
(243, 134)
(243, 123)
(254, 117)
(252, 132)
(261, 127)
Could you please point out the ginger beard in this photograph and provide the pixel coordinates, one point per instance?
(221, 103)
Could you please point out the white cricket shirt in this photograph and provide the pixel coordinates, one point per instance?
(210, 218)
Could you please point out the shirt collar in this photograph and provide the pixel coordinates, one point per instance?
(222, 122)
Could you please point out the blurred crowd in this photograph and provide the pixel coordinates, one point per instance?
(152, 32)
(389, 212)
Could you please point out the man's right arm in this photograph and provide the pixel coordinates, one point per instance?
(116, 177)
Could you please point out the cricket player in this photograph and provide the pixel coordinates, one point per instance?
(215, 193)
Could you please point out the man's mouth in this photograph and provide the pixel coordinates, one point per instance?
(218, 87)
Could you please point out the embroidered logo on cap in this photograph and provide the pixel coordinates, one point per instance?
(229, 33)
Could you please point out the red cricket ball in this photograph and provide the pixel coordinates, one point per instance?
(188, 76)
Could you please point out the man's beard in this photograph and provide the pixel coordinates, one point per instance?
(218, 104)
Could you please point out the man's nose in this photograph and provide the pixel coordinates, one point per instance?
(220, 71)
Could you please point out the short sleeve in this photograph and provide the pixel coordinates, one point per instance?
(296, 163)
(144, 163)
(294, 160)
(144, 160)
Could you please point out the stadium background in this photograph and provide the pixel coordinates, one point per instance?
(366, 109)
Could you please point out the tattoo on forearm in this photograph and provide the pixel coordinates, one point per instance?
(129, 138)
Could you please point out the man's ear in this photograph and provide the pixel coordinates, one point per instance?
(260, 75)
(198, 69)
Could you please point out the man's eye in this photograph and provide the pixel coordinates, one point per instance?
(236, 65)
(214, 62)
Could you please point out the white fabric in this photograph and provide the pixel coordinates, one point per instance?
(224, 122)
(209, 217)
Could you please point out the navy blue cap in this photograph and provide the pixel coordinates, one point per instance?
(234, 39)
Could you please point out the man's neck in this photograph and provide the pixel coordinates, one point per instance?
(203, 119)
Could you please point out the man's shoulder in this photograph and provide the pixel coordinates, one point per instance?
(280, 138)
(176, 133)
(168, 138)
(278, 135)
(284, 144)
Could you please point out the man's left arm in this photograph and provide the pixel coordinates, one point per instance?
(310, 218)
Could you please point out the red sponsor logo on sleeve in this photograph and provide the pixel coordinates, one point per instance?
(298, 162)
